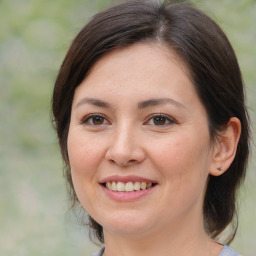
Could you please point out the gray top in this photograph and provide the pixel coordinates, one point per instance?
(226, 251)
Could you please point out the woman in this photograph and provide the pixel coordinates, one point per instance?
(149, 110)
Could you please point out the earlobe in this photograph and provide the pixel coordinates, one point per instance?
(225, 150)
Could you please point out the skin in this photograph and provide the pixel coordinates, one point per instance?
(176, 152)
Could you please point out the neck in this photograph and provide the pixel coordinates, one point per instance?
(183, 239)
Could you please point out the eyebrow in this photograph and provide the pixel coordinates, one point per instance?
(95, 102)
(141, 105)
(155, 102)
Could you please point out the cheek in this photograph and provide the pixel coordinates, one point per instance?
(183, 160)
(83, 153)
(184, 172)
(84, 158)
(172, 155)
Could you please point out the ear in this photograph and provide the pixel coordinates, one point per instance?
(225, 150)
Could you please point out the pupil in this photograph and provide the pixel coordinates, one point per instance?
(97, 120)
(159, 120)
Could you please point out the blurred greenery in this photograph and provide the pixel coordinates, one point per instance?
(34, 37)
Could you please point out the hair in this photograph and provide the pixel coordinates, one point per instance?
(203, 47)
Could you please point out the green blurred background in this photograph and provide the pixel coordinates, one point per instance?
(34, 37)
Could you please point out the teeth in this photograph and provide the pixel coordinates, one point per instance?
(128, 187)
(120, 186)
(109, 185)
(137, 185)
(149, 185)
(143, 185)
(114, 188)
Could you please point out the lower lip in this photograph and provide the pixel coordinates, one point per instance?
(127, 196)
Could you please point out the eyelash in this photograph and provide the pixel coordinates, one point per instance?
(163, 116)
(86, 120)
(89, 120)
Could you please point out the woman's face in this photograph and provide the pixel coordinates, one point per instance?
(138, 143)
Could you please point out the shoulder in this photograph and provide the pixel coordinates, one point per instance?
(99, 252)
(228, 251)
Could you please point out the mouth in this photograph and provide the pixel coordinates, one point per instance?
(127, 188)
(130, 186)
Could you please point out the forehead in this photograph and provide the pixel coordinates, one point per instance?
(145, 55)
(139, 66)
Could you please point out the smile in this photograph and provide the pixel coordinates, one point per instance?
(127, 186)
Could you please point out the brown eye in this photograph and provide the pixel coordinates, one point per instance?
(159, 120)
(97, 120)
(94, 120)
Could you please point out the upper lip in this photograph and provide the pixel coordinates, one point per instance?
(126, 179)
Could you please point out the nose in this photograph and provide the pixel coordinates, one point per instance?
(125, 148)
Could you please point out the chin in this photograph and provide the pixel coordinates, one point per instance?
(126, 224)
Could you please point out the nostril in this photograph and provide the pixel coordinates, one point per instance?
(123, 163)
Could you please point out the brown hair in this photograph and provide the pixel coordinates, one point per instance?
(214, 70)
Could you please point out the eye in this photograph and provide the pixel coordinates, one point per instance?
(95, 119)
(160, 120)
